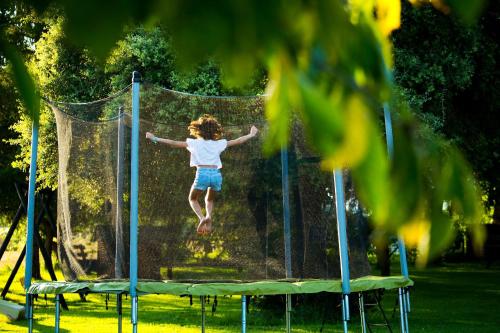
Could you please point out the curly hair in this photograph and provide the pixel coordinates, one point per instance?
(206, 127)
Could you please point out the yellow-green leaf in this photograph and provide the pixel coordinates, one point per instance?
(388, 15)
(24, 81)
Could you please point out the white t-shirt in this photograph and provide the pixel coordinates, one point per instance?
(206, 152)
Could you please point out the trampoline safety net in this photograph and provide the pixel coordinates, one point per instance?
(247, 241)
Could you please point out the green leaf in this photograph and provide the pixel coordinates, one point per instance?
(322, 117)
(406, 175)
(281, 85)
(371, 177)
(23, 79)
(441, 232)
(97, 24)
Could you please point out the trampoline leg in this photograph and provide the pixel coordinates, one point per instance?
(288, 313)
(119, 310)
(345, 310)
(203, 314)
(406, 297)
(402, 310)
(135, 313)
(58, 312)
(345, 326)
(243, 313)
(29, 312)
(407, 294)
(362, 313)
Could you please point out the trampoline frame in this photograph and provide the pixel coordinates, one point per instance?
(346, 284)
(269, 287)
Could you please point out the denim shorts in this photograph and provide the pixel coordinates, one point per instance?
(207, 177)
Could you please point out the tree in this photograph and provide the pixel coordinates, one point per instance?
(451, 82)
(63, 72)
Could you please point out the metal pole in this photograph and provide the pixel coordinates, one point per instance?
(134, 312)
(134, 197)
(28, 270)
(406, 304)
(345, 311)
(58, 313)
(288, 313)
(390, 150)
(362, 313)
(402, 310)
(389, 138)
(119, 309)
(286, 231)
(343, 246)
(407, 298)
(243, 313)
(402, 258)
(286, 212)
(203, 314)
(29, 313)
(401, 244)
(119, 248)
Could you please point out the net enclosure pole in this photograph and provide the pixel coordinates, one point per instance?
(390, 150)
(134, 198)
(343, 246)
(30, 232)
(389, 136)
(286, 212)
(404, 297)
(286, 230)
(401, 245)
(119, 196)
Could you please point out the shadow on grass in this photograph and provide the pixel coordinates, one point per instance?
(37, 326)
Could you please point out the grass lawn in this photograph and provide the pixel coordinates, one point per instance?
(452, 298)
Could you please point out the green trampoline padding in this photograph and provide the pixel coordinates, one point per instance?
(269, 287)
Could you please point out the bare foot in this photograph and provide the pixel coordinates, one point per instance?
(208, 225)
(202, 227)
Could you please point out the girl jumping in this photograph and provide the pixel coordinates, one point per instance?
(205, 152)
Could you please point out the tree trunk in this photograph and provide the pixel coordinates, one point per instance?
(382, 253)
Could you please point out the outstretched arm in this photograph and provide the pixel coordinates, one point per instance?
(244, 138)
(168, 142)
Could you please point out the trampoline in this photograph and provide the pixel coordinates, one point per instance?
(275, 287)
(282, 225)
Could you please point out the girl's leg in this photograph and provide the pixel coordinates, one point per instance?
(194, 195)
(209, 206)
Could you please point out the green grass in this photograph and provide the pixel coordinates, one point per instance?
(452, 298)
(458, 298)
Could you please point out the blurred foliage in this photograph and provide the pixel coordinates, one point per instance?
(328, 62)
